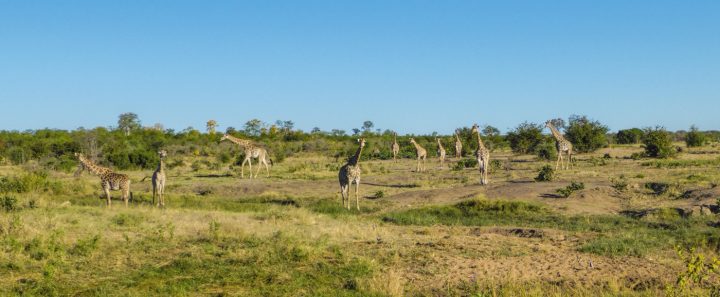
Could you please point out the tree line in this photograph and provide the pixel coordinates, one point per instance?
(129, 145)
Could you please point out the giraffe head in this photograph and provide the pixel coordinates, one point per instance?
(475, 128)
(549, 124)
(412, 140)
(361, 141)
(162, 154)
(79, 155)
(225, 136)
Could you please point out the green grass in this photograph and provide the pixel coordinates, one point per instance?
(614, 235)
(278, 265)
(670, 163)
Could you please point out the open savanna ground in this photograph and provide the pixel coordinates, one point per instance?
(435, 233)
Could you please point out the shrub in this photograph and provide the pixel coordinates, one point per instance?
(465, 163)
(695, 138)
(586, 135)
(495, 165)
(619, 184)
(658, 188)
(9, 203)
(17, 155)
(525, 138)
(547, 151)
(547, 173)
(629, 136)
(33, 181)
(658, 143)
(85, 247)
(567, 191)
(379, 194)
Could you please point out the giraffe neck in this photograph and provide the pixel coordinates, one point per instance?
(439, 143)
(457, 137)
(480, 142)
(355, 159)
(556, 133)
(90, 166)
(238, 141)
(161, 166)
(395, 138)
(417, 146)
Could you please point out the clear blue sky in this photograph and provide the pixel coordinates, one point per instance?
(413, 66)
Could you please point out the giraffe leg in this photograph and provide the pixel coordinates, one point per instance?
(250, 163)
(242, 168)
(569, 159)
(342, 195)
(357, 199)
(107, 195)
(267, 168)
(154, 193)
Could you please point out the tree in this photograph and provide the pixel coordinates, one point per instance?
(288, 126)
(127, 122)
(586, 135)
(356, 131)
(493, 139)
(285, 126)
(316, 130)
(559, 123)
(254, 127)
(629, 136)
(337, 132)
(695, 138)
(490, 131)
(367, 126)
(658, 143)
(211, 125)
(525, 138)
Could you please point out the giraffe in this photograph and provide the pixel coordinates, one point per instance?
(252, 151)
(421, 154)
(349, 173)
(158, 180)
(109, 180)
(441, 152)
(483, 157)
(458, 145)
(562, 145)
(395, 147)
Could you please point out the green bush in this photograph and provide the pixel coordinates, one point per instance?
(85, 247)
(658, 143)
(547, 151)
(629, 136)
(620, 184)
(658, 188)
(465, 163)
(573, 187)
(525, 138)
(17, 155)
(586, 135)
(547, 173)
(29, 182)
(695, 138)
(9, 203)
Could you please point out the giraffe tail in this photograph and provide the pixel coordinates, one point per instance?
(144, 178)
(271, 162)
